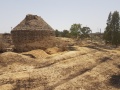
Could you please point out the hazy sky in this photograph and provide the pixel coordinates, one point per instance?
(60, 14)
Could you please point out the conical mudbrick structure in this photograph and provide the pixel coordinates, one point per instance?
(32, 33)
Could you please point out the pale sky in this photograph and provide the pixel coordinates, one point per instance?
(60, 14)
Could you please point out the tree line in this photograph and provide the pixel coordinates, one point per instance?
(111, 33)
(76, 31)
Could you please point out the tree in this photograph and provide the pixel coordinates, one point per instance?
(65, 33)
(58, 33)
(112, 31)
(85, 31)
(108, 31)
(75, 30)
(115, 28)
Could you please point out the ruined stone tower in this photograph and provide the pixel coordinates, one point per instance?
(32, 33)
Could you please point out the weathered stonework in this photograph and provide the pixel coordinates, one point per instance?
(32, 33)
(6, 38)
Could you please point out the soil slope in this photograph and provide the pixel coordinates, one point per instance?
(85, 68)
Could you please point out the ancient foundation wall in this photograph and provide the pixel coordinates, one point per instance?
(29, 40)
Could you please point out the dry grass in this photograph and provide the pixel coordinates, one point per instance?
(37, 53)
(6, 87)
(53, 50)
(83, 69)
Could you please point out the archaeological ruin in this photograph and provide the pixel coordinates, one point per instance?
(32, 33)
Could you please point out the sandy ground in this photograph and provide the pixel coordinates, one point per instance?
(85, 68)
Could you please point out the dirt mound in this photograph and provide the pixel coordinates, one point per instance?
(63, 43)
(6, 87)
(11, 62)
(53, 50)
(98, 78)
(83, 69)
(37, 53)
(11, 57)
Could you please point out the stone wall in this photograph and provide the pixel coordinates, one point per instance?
(25, 40)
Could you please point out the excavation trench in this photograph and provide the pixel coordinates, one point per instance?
(60, 70)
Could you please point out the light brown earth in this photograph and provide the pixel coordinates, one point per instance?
(85, 68)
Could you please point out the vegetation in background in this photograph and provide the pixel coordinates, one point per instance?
(112, 31)
(85, 31)
(64, 33)
(57, 33)
(76, 31)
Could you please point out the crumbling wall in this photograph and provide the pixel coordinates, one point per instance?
(25, 40)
